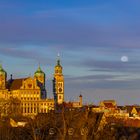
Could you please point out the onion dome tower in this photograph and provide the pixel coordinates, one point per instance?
(39, 75)
(3, 77)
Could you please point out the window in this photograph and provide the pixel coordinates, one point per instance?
(59, 97)
(34, 109)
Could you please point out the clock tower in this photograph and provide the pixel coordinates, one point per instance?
(3, 77)
(59, 82)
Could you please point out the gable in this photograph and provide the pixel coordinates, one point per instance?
(30, 83)
(134, 111)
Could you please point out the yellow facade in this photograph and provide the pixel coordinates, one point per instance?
(3, 76)
(134, 111)
(29, 91)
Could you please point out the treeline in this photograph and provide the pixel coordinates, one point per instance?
(64, 125)
(67, 124)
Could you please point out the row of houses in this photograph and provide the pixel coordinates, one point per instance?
(110, 107)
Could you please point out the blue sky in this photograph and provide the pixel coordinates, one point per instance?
(90, 35)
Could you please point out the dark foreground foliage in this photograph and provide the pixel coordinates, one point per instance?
(66, 125)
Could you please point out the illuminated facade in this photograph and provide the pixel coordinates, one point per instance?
(31, 91)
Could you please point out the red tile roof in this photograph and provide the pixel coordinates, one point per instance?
(15, 84)
(109, 105)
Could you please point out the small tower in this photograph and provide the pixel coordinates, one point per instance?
(3, 77)
(40, 76)
(59, 82)
(81, 100)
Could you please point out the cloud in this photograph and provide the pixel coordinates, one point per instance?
(105, 81)
(34, 53)
(112, 65)
(65, 26)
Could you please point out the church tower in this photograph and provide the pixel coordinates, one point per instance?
(3, 77)
(58, 83)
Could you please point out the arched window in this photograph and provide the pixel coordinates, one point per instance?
(59, 97)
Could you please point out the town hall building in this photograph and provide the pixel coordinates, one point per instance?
(31, 91)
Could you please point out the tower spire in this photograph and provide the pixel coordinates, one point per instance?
(58, 59)
(58, 55)
(39, 65)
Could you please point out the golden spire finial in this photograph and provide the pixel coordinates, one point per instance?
(58, 55)
(58, 58)
(39, 64)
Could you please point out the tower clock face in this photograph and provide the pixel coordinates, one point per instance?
(60, 90)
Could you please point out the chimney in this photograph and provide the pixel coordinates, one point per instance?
(81, 100)
(11, 77)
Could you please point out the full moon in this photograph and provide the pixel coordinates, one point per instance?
(124, 59)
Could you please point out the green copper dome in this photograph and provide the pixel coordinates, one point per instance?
(2, 71)
(39, 71)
